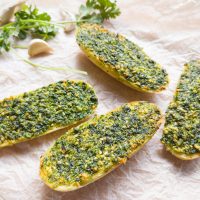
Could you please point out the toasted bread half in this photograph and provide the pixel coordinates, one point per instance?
(121, 59)
(93, 149)
(47, 109)
(181, 130)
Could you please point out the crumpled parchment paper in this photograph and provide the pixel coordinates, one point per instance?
(169, 31)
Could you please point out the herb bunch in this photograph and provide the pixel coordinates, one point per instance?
(28, 21)
(96, 11)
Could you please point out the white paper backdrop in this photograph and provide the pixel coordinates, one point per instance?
(169, 31)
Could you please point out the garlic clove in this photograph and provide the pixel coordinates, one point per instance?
(68, 16)
(7, 10)
(37, 47)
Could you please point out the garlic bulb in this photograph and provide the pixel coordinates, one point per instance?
(67, 16)
(8, 8)
(38, 46)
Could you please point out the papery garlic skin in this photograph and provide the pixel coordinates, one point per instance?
(68, 16)
(8, 8)
(37, 47)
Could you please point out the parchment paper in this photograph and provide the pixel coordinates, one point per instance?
(169, 31)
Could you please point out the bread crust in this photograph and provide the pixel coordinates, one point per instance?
(108, 68)
(67, 188)
(52, 129)
(179, 155)
(13, 142)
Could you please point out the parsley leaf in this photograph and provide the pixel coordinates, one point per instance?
(96, 11)
(28, 21)
(4, 40)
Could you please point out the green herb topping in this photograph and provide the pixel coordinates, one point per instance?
(121, 58)
(182, 128)
(98, 146)
(35, 113)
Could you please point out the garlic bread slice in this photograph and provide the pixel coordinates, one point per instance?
(121, 58)
(36, 113)
(93, 149)
(181, 135)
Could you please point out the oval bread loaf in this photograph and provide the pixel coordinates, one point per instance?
(95, 148)
(181, 134)
(45, 110)
(121, 58)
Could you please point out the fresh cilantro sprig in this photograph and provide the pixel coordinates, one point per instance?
(28, 21)
(96, 11)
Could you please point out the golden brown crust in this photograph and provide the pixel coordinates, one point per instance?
(181, 156)
(109, 69)
(65, 188)
(53, 129)
(11, 143)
